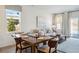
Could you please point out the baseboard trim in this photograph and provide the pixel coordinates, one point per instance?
(7, 46)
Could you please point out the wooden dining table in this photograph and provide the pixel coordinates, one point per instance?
(34, 41)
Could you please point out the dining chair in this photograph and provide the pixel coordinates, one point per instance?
(21, 44)
(50, 47)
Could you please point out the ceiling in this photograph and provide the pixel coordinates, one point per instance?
(56, 8)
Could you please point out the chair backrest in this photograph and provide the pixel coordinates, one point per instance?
(52, 43)
(18, 40)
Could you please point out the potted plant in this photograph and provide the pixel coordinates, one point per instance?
(11, 25)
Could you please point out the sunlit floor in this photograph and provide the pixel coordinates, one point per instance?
(11, 49)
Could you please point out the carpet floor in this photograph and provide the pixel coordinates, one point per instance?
(71, 45)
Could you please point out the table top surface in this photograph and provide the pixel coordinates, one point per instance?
(32, 40)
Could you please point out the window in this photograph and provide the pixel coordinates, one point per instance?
(13, 20)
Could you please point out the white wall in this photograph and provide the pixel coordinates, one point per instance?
(29, 14)
(5, 38)
(28, 18)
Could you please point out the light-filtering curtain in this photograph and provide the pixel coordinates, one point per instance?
(58, 19)
(62, 22)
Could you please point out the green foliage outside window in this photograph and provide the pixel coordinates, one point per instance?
(11, 25)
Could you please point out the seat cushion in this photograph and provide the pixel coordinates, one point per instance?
(45, 49)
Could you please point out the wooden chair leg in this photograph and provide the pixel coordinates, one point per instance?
(49, 50)
(31, 49)
(16, 49)
(55, 51)
(20, 50)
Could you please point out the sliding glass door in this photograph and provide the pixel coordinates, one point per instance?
(74, 24)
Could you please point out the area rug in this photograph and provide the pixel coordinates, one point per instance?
(71, 45)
